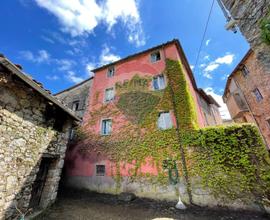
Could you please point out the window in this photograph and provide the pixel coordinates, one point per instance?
(71, 133)
(159, 82)
(106, 127)
(109, 94)
(75, 105)
(258, 95)
(245, 71)
(268, 122)
(155, 56)
(164, 121)
(100, 170)
(110, 72)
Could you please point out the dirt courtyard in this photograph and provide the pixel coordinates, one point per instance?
(84, 205)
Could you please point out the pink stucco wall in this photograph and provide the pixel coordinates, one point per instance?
(81, 165)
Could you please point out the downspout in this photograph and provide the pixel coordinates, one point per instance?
(252, 114)
(180, 205)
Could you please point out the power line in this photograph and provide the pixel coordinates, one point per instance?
(204, 33)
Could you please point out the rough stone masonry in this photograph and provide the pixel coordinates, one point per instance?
(29, 132)
(248, 15)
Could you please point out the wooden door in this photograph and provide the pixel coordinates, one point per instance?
(39, 183)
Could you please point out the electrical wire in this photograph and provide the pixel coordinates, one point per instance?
(204, 33)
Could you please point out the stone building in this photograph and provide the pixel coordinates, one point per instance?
(76, 97)
(247, 15)
(34, 129)
(247, 94)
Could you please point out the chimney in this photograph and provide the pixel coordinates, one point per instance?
(19, 66)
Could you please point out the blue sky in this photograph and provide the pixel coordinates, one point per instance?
(58, 41)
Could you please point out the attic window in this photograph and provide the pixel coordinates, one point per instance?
(75, 105)
(155, 56)
(110, 72)
(245, 71)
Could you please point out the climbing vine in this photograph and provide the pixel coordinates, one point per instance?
(265, 29)
(231, 161)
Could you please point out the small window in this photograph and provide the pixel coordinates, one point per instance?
(268, 122)
(100, 170)
(159, 82)
(109, 94)
(106, 127)
(75, 105)
(258, 95)
(71, 133)
(164, 121)
(110, 72)
(155, 56)
(245, 71)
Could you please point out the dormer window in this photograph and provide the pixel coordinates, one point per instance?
(110, 72)
(155, 56)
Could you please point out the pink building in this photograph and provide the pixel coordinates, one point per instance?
(94, 170)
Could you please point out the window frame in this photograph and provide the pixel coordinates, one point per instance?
(101, 173)
(108, 71)
(155, 52)
(78, 106)
(259, 92)
(101, 123)
(245, 71)
(268, 122)
(108, 101)
(157, 77)
(171, 121)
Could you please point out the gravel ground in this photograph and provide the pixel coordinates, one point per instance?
(87, 205)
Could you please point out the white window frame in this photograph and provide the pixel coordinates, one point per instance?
(107, 101)
(171, 121)
(154, 52)
(157, 76)
(101, 123)
(108, 70)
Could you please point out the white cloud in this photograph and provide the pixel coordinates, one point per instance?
(81, 17)
(107, 56)
(224, 112)
(207, 42)
(64, 64)
(192, 67)
(225, 60)
(72, 77)
(53, 78)
(211, 67)
(89, 67)
(42, 56)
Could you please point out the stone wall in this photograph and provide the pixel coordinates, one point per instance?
(248, 14)
(27, 135)
(78, 93)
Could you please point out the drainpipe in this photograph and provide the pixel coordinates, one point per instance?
(252, 114)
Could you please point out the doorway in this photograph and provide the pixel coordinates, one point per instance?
(39, 182)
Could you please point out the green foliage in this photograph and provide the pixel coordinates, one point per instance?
(137, 105)
(231, 161)
(184, 106)
(265, 29)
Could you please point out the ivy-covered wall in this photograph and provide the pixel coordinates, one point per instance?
(223, 160)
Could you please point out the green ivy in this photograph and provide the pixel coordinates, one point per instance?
(265, 29)
(231, 161)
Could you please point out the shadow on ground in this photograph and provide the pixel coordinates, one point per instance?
(73, 204)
